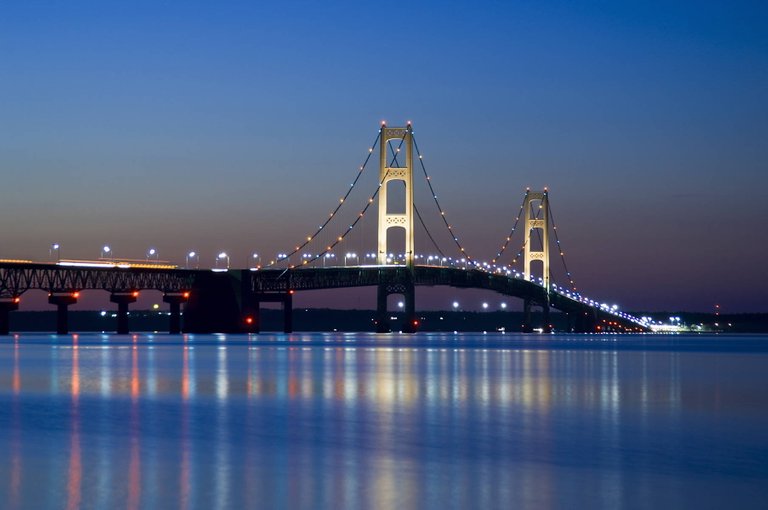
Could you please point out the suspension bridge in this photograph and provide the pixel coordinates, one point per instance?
(229, 300)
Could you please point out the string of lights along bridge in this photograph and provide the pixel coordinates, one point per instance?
(339, 253)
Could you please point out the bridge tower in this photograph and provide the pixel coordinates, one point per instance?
(538, 221)
(403, 171)
(388, 174)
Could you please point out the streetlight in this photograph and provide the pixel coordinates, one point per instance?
(55, 247)
(400, 304)
(192, 255)
(105, 251)
(350, 256)
(455, 305)
(503, 306)
(256, 259)
(152, 253)
(485, 306)
(223, 255)
(328, 256)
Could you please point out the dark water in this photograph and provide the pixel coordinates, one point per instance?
(366, 421)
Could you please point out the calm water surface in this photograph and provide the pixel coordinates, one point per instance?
(365, 421)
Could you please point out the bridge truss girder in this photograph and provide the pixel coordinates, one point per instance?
(16, 279)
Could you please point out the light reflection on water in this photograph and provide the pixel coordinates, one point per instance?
(356, 421)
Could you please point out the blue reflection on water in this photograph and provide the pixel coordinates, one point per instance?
(358, 420)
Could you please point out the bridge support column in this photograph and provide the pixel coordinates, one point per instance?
(7, 305)
(175, 301)
(382, 318)
(288, 312)
(404, 286)
(123, 300)
(527, 326)
(252, 314)
(62, 302)
(547, 326)
(411, 319)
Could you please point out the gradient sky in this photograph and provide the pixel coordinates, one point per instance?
(236, 126)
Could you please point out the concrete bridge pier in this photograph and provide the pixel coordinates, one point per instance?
(7, 305)
(408, 290)
(175, 301)
(123, 299)
(382, 318)
(252, 315)
(62, 302)
(547, 324)
(527, 324)
(251, 309)
(411, 319)
(288, 312)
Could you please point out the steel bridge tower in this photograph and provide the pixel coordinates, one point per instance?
(403, 283)
(537, 201)
(388, 174)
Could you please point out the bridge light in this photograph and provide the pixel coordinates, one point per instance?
(135, 293)
(17, 300)
(186, 295)
(75, 295)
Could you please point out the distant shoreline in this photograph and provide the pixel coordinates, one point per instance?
(318, 319)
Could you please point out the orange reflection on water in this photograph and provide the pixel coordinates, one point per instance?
(134, 467)
(15, 478)
(185, 374)
(75, 470)
(135, 387)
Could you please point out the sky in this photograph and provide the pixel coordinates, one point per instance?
(236, 126)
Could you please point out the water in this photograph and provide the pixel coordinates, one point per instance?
(364, 421)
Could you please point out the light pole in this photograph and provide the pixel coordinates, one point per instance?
(256, 260)
(455, 305)
(55, 247)
(192, 255)
(152, 253)
(328, 256)
(105, 251)
(222, 256)
(351, 256)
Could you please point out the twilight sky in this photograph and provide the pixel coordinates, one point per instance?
(236, 126)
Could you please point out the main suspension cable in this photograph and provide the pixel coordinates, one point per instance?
(416, 210)
(514, 227)
(437, 203)
(559, 247)
(336, 210)
(352, 225)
